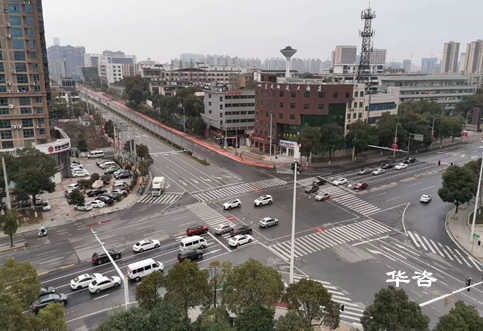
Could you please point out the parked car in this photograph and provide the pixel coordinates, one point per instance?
(45, 300)
(74, 186)
(95, 192)
(102, 283)
(425, 198)
(378, 171)
(268, 222)
(97, 204)
(81, 281)
(115, 195)
(197, 229)
(360, 186)
(83, 207)
(101, 258)
(311, 189)
(47, 290)
(120, 191)
(192, 255)
(43, 204)
(146, 244)
(119, 185)
(322, 197)
(242, 229)
(319, 181)
(122, 174)
(80, 173)
(111, 170)
(263, 200)
(108, 164)
(339, 181)
(239, 239)
(364, 171)
(223, 228)
(400, 166)
(410, 159)
(106, 199)
(387, 165)
(100, 162)
(232, 204)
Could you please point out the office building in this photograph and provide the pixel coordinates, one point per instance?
(112, 66)
(289, 104)
(65, 61)
(473, 63)
(378, 56)
(229, 114)
(449, 63)
(407, 65)
(429, 65)
(344, 55)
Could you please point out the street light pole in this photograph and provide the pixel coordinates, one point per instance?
(124, 279)
(477, 200)
(292, 238)
(270, 146)
(5, 178)
(395, 140)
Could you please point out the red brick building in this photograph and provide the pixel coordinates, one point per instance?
(294, 104)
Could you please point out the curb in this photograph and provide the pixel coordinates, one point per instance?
(11, 249)
(453, 239)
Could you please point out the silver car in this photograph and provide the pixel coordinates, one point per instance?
(223, 228)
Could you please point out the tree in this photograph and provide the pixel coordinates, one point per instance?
(127, 320)
(82, 143)
(9, 224)
(331, 138)
(292, 321)
(12, 314)
(386, 129)
(213, 319)
(252, 283)
(392, 310)
(76, 198)
(136, 90)
(19, 280)
(307, 297)
(52, 317)
(32, 171)
(255, 318)
(459, 185)
(309, 139)
(218, 275)
(360, 135)
(187, 286)
(165, 316)
(109, 128)
(461, 317)
(147, 293)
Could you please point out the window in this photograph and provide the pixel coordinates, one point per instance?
(321, 94)
(6, 134)
(27, 122)
(347, 95)
(348, 116)
(221, 98)
(3, 88)
(20, 67)
(2, 79)
(360, 115)
(292, 116)
(22, 79)
(38, 99)
(221, 114)
(42, 131)
(19, 56)
(335, 95)
(280, 116)
(7, 144)
(24, 101)
(306, 106)
(1, 67)
(293, 94)
(13, 8)
(18, 44)
(33, 55)
(14, 20)
(281, 93)
(307, 94)
(221, 106)
(361, 93)
(354, 115)
(25, 110)
(27, 7)
(360, 105)
(28, 133)
(30, 32)
(3, 101)
(31, 43)
(4, 111)
(16, 32)
(4, 124)
(292, 106)
(209, 103)
(320, 106)
(29, 20)
(39, 110)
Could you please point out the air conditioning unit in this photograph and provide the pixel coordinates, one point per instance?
(11, 106)
(14, 126)
(9, 83)
(9, 36)
(9, 25)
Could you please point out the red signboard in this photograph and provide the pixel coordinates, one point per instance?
(394, 147)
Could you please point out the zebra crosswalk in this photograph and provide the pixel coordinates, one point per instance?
(437, 248)
(350, 200)
(328, 238)
(166, 198)
(352, 312)
(208, 215)
(231, 190)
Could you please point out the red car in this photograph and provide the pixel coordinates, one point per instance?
(360, 186)
(196, 230)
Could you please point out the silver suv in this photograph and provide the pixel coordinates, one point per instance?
(268, 222)
(263, 200)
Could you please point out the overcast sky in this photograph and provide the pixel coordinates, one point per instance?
(162, 29)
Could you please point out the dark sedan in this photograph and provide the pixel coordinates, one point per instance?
(95, 192)
(47, 299)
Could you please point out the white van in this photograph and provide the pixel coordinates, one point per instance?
(138, 270)
(193, 242)
(95, 154)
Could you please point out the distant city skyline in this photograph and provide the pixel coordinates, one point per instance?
(253, 29)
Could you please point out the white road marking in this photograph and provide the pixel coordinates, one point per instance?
(474, 262)
(102, 296)
(368, 241)
(437, 248)
(429, 245)
(461, 256)
(420, 241)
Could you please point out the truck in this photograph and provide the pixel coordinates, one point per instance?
(157, 186)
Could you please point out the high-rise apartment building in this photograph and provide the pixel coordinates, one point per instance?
(473, 63)
(429, 65)
(65, 61)
(378, 56)
(344, 55)
(24, 75)
(112, 66)
(451, 52)
(407, 65)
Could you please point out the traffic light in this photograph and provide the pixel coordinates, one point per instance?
(468, 283)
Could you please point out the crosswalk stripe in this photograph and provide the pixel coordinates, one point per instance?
(461, 256)
(319, 237)
(454, 255)
(407, 249)
(312, 238)
(360, 230)
(334, 233)
(347, 233)
(393, 252)
(475, 263)
(420, 241)
(330, 234)
(413, 239)
(429, 245)
(445, 252)
(303, 240)
(437, 248)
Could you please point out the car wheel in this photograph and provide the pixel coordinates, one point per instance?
(98, 291)
(137, 279)
(156, 246)
(141, 250)
(270, 202)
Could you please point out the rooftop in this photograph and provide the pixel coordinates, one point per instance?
(411, 77)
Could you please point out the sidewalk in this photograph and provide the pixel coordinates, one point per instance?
(458, 228)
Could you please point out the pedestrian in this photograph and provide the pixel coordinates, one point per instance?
(439, 163)
(452, 164)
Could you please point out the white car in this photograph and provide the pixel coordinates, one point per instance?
(223, 228)
(74, 186)
(378, 171)
(144, 245)
(339, 181)
(322, 197)
(268, 222)
(400, 165)
(81, 281)
(232, 204)
(86, 207)
(263, 200)
(80, 173)
(102, 283)
(239, 239)
(96, 204)
(425, 198)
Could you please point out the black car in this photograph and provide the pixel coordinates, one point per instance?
(311, 189)
(410, 159)
(47, 299)
(243, 229)
(101, 258)
(95, 192)
(193, 255)
(319, 181)
(110, 171)
(387, 165)
(106, 199)
(122, 174)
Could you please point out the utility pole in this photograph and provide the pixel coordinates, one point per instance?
(477, 200)
(270, 146)
(5, 178)
(292, 236)
(395, 141)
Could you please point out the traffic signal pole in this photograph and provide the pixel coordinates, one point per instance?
(449, 294)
